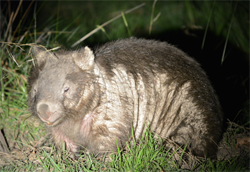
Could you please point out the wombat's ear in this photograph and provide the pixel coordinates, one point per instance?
(84, 58)
(41, 54)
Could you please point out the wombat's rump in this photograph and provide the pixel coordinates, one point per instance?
(92, 98)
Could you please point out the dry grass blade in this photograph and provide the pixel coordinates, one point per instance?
(13, 58)
(13, 19)
(22, 19)
(3, 145)
(104, 24)
(229, 29)
(9, 26)
(151, 20)
(18, 8)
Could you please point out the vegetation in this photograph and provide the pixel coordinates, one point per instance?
(215, 33)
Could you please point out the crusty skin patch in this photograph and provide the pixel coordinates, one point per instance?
(91, 98)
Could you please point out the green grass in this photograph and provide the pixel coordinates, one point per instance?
(26, 135)
(148, 155)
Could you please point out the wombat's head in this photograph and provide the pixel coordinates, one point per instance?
(61, 84)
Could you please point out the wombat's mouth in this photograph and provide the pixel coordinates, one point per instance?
(49, 123)
(51, 120)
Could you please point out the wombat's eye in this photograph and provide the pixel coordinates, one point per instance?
(66, 89)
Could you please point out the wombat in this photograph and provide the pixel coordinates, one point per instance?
(92, 99)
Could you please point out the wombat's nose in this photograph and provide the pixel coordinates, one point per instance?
(44, 111)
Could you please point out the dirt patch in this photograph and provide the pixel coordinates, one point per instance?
(235, 142)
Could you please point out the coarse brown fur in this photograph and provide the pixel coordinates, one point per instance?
(91, 99)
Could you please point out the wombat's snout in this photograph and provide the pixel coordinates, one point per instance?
(45, 113)
(44, 110)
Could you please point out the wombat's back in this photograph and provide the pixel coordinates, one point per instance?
(164, 89)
